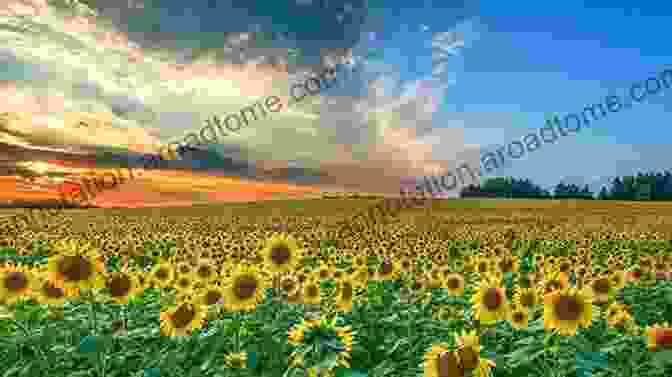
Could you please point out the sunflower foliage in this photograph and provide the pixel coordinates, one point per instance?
(418, 297)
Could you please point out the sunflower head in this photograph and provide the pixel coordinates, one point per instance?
(122, 285)
(489, 303)
(281, 253)
(183, 319)
(312, 292)
(454, 283)
(76, 267)
(468, 349)
(439, 361)
(567, 310)
(244, 289)
(659, 337)
(526, 298)
(519, 317)
(162, 274)
(16, 283)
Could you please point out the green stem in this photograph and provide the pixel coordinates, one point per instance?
(237, 335)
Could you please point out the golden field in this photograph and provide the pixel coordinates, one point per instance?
(293, 288)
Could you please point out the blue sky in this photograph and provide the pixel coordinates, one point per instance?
(146, 75)
(535, 58)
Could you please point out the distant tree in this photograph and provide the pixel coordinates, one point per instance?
(604, 194)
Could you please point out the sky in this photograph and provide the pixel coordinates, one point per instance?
(420, 88)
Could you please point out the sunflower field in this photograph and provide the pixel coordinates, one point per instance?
(458, 288)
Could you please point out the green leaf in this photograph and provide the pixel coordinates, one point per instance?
(662, 358)
(347, 372)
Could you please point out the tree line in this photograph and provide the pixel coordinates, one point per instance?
(644, 186)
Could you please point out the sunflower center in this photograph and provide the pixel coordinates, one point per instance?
(184, 269)
(184, 283)
(324, 273)
(664, 338)
(16, 281)
(313, 291)
(75, 268)
(448, 365)
(204, 271)
(468, 357)
(246, 287)
(119, 285)
(162, 274)
(212, 297)
(492, 299)
(482, 267)
(280, 254)
(527, 300)
(568, 308)
(182, 316)
(453, 283)
(49, 290)
(346, 293)
(406, 264)
(518, 317)
(386, 267)
(601, 286)
(288, 285)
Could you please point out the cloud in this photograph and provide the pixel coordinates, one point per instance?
(137, 89)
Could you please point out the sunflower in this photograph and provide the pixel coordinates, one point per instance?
(359, 261)
(183, 268)
(345, 294)
(205, 271)
(236, 360)
(281, 253)
(659, 337)
(182, 320)
(484, 366)
(440, 362)
(483, 265)
(618, 316)
(489, 302)
(210, 295)
(554, 281)
(454, 283)
(325, 272)
(388, 269)
(468, 349)
(435, 278)
(289, 285)
(508, 263)
(311, 292)
(617, 279)
(121, 286)
(313, 332)
(526, 298)
(244, 289)
(16, 283)
(601, 289)
(567, 310)
(184, 285)
(519, 317)
(76, 266)
(162, 275)
(47, 293)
